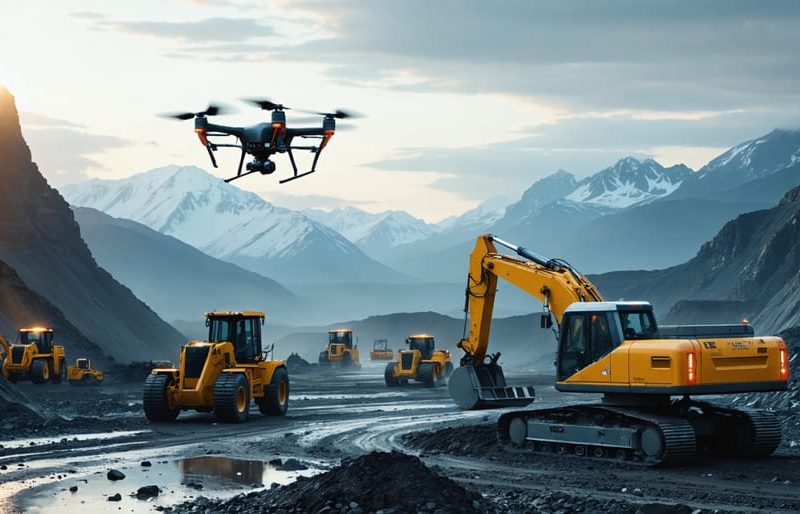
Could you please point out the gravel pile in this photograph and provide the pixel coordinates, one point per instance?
(377, 482)
(297, 364)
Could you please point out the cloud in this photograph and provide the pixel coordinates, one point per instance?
(64, 154)
(211, 29)
(38, 120)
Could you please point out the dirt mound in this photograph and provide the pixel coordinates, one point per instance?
(18, 412)
(391, 482)
(297, 364)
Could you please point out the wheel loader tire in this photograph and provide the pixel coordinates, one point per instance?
(40, 371)
(347, 360)
(388, 375)
(276, 395)
(232, 397)
(427, 372)
(13, 378)
(323, 359)
(154, 398)
(62, 372)
(448, 369)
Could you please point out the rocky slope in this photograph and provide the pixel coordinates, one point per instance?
(754, 260)
(175, 279)
(41, 241)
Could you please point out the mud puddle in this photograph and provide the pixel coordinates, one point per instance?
(179, 480)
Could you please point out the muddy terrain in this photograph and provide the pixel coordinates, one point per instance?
(348, 444)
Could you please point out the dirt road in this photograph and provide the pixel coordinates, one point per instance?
(333, 416)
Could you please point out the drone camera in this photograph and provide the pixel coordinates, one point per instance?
(263, 167)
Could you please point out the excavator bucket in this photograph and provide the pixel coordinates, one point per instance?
(484, 387)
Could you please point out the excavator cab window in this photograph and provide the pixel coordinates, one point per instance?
(587, 337)
(638, 324)
(42, 339)
(345, 338)
(425, 346)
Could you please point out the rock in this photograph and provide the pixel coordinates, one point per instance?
(116, 498)
(73, 489)
(146, 464)
(147, 492)
(294, 465)
(115, 475)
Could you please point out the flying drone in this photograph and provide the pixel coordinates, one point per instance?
(263, 140)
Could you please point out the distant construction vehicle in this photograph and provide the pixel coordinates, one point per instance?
(420, 362)
(381, 351)
(221, 375)
(340, 350)
(34, 357)
(617, 349)
(82, 373)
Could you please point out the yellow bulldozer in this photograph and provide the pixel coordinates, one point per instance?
(648, 374)
(82, 373)
(421, 362)
(34, 357)
(381, 351)
(340, 350)
(221, 375)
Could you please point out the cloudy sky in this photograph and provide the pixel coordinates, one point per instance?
(463, 100)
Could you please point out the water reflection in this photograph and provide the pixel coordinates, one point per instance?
(221, 471)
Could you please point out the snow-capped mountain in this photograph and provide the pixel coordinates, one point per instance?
(629, 182)
(230, 224)
(759, 170)
(392, 228)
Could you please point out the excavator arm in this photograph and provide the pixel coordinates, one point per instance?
(480, 382)
(553, 282)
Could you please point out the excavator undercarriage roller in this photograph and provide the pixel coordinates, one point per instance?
(662, 435)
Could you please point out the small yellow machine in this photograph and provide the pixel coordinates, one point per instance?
(381, 351)
(34, 357)
(340, 350)
(82, 373)
(221, 374)
(421, 362)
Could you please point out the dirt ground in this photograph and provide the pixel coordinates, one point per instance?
(199, 465)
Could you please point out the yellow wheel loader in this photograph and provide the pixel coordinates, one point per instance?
(340, 350)
(34, 357)
(381, 351)
(221, 375)
(646, 373)
(421, 362)
(82, 373)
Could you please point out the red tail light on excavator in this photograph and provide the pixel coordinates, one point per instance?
(691, 368)
(784, 364)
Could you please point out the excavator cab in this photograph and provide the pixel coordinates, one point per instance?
(589, 335)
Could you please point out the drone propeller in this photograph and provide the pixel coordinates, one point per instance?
(266, 104)
(212, 110)
(338, 114)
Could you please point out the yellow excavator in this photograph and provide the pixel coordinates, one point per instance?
(647, 374)
(34, 357)
(421, 362)
(340, 350)
(222, 374)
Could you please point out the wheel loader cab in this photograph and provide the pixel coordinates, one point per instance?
(83, 364)
(341, 337)
(423, 344)
(244, 332)
(592, 330)
(41, 337)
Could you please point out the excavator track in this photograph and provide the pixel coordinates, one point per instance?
(649, 436)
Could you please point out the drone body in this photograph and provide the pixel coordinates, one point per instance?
(263, 140)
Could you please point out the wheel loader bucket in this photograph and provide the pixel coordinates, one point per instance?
(484, 387)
